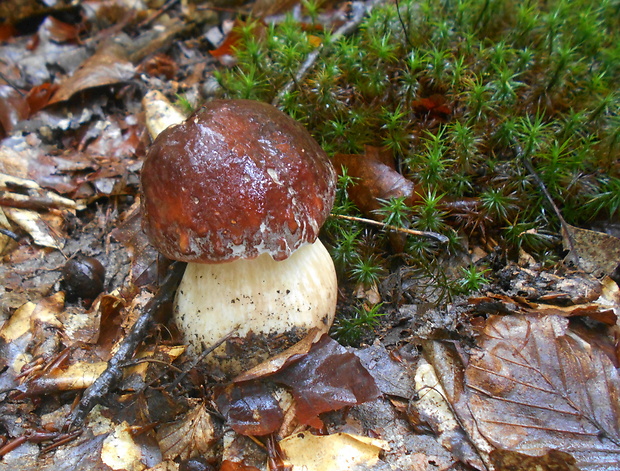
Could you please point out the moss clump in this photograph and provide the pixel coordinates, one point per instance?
(464, 93)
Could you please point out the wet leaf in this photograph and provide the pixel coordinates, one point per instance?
(191, 436)
(250, 408)
(228, 465)
(375, 179)
(328, 378)
(536, 385)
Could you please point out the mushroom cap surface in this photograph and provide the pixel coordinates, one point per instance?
(237, 179)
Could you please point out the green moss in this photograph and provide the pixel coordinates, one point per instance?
(518, 81)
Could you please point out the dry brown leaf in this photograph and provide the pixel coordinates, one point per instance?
(594, 252)
(535, 385)
(107, 66)
(40, 228)
(193, 435)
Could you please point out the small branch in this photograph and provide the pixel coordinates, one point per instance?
(97, 391)
(198, 360)
(345, 29)
(434, 235)
(565, 228)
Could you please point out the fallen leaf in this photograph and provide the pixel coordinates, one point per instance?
(40, 229)
(594, 252)
(193, 435)
(375, 180)
(337, 452)
(13, 108)
(160, 113)
(435, 106)
(536, 385)
(228, 465)
(120, 451)
(432, 407)
(107, 66)
(553, 460)
(328, 378)
(250, 408)
(58, 31)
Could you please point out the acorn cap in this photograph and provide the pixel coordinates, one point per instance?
(237, 179)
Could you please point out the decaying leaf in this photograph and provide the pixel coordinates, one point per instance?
(337, 452)
(250, 408)
(553, 460)
(78, 375)
(536, 385)
(119, 451)
(107, 66)
(375, 179)
(328, 378)
(193, 435)
(594, 252)
(40, 228)
(432, 407)
(281, 360)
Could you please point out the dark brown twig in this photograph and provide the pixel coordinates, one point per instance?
(97, 391)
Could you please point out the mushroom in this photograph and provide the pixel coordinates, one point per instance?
(240, 191)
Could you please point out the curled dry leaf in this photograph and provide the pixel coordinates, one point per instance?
(108, 66)
(594, 252)
(193, 435)
(535, 385)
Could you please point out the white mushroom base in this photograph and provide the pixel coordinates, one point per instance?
(268, 305)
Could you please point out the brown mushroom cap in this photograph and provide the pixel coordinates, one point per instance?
(237, 179)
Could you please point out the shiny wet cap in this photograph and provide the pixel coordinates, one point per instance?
(237, 179)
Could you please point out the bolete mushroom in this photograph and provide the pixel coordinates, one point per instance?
(240, 191)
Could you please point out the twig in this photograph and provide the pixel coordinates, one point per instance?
(346, 28)
(565, 228)
(439, 237)
(198, 360)
(113, 373)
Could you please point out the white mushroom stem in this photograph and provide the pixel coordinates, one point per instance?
(262, 296)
